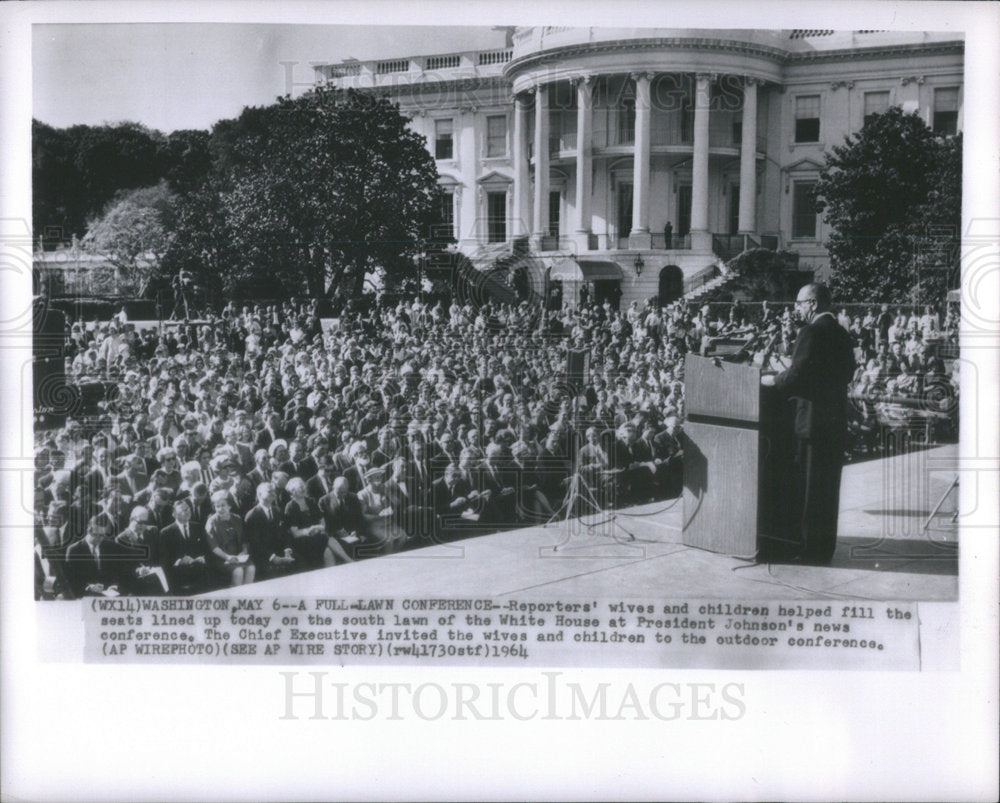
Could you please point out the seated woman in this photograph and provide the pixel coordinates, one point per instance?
(224, 533)
(304, 519)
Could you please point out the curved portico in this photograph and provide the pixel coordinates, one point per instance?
(623, 117)
(662, 149)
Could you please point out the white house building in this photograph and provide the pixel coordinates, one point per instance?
(638, 157)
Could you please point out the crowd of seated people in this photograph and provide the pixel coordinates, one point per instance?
(259, 442)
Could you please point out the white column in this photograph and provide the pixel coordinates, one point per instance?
(748, 159)
(584, 159)
(522, 184)
(541, 210)
(639, 236)
(701, 238)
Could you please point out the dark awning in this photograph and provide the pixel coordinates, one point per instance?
(584, 270)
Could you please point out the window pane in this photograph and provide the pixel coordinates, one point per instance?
(447, 226)
(876, 103)
(496, 216)
(554, 205)
(803, 210)
(807, 118)
(442, 139)
(946, 111)
(496, 136)
(946, 100)
(807, 130)
(806, 106)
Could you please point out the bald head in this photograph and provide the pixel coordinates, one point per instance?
(817, 292)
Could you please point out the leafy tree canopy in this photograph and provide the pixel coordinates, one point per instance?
(315, 192)
(892, 195)
(133, 233)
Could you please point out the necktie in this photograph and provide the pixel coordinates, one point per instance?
(187, 535)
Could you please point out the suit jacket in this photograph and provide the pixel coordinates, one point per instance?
(266, 537)
(318, 486)
(173, 545)
(342, 513)
(130, 485)
(419, 486)
(444, 497)
(305, 469)
(255, 477)
(354, 479)
(822, 367)
(201, 511)
(161, 516)
(83, 569)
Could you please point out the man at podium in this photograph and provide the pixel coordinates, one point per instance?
(821, 369)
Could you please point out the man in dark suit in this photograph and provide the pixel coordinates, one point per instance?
(822, 367)
(321, 483)
(387, 450)
(418, 472)
(269, 539)
(91, 563)
(299, 463)
(343, 515)
(500, 510)
(184, 552)
(262, 468)
(139, 544)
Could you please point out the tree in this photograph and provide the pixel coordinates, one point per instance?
(884, 191)
(323, 188)
(133, 234)
(186, 159)
(77, 171)
(762, 274)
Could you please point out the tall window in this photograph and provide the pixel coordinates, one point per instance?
(555, 203)
(807, 118)
(496, 135)
(626, 121)
(946, 111)
(737, 132)
(875, 103)
(687, 118)
(804, 210)
(496, 217)
(443, 143)
(446, 228)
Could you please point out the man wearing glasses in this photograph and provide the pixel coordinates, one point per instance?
(822, 367)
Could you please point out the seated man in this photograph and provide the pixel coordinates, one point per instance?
(91, 565)
(595, 468)
(453, 498)
(268, 538)
(500, 511)
(184, 552)
(140, 547)
(342, 514)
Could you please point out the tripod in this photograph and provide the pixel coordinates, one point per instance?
(940, 504)
(579, 490)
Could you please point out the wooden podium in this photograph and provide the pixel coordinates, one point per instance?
(738, 446)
